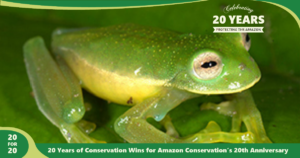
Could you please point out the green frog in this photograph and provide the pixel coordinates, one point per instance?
(151, 69)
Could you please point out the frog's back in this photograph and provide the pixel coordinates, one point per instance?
(123, 63)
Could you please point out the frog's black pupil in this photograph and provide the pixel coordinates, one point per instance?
(209, 64)
(247, 38)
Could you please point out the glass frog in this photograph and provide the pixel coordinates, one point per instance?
(151, 69)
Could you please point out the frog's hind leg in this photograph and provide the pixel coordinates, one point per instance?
(56, 90)
(241, 108)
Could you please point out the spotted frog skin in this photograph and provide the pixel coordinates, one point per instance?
(151, 69)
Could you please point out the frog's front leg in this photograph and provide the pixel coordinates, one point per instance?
(57, 91)
(170, 129)
(242, 108)
(134, 128)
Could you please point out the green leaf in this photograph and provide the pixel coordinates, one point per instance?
(276, 52)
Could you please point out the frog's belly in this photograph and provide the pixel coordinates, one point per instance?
(113, 87)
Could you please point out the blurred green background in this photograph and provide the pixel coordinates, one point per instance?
(276, 51)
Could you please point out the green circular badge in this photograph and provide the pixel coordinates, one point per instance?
(12, 144)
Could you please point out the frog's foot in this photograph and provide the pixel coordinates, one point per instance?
(242, 109)
(170, 129)
(86, 126)
(216, 137)
(73, 134)
(254, 123)
(225, 108)
(212, 134)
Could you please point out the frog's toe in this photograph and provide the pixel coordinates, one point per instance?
(263, 139)
(254, 124)
(73, 134)
(170, 129)
(86, 126)
(267, 140)
(236, 123)
(207, 106)
(212, 126)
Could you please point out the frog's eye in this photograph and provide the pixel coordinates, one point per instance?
(207, 65)
(246, 40)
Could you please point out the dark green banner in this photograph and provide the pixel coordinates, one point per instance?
(172, 150)
(292, 5)
(98, 3)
